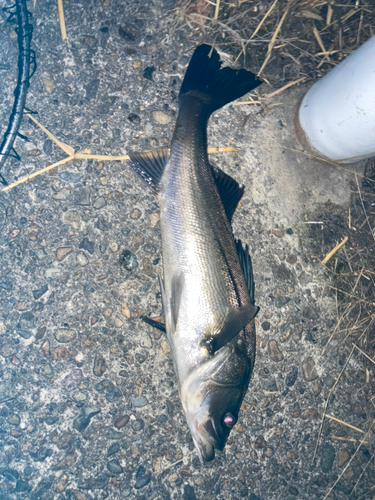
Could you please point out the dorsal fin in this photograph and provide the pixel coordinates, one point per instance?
(150, 165)
(229, 190)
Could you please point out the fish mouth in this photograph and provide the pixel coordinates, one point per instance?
(207, 439)
(205, 447)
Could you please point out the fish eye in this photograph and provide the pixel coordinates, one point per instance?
(229, 419)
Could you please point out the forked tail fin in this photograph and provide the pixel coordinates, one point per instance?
(217, 86)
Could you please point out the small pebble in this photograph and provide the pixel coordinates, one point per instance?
(37, 294)
(114, 467)
(129, 260)
(72, 380)
(63, 336)
(100, 365)
(63, 194)
(309, 370)
(47, 82)
(14, 420)
(274, 351)
(107, 313)
(87, 245)
(142, 478)
(135, 214)
(160, 117)
(154, 219)
(281, 301)
(114, 247)
(63, 252)
(14, 233)
(291, 259)
(72, 177)
(125, 310)
(139, 402)
(114, 448)
(52, 272)
(121, 421)
(82, 259)
(145, 341)
(291, 377)
(138, 424)
(342, 457)
(277, 233)
(45, 348)
(327, 454)
(99, 203)
(61, 484)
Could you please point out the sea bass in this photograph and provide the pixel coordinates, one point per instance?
(207, 289)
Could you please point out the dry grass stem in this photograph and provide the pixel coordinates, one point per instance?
(278, 91)
(172, 465)
(60, 9)
(364, 470)
(274, 36)
(368, 357)
(357, 281)
(334, 250)
(85, 156)
(335, 329)
(318, 39)
(349, 462)
(35, 174)
(257, 28)
(345, 423)
(352, 296)
(327, 403)
(217, 9)
(351, 440)
(329, 15)
(67, 149)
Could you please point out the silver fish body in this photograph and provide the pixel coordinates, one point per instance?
(207, 306)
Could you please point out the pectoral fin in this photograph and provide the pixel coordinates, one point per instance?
(171, 307)
(227, 326)
(177, 286)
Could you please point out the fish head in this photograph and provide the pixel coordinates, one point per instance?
(212, 397)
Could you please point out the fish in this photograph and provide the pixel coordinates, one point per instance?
(207, 287)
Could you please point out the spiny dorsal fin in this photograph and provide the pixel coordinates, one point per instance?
(150, 165)
(229, 190)
(227, 325)
(247, 268)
